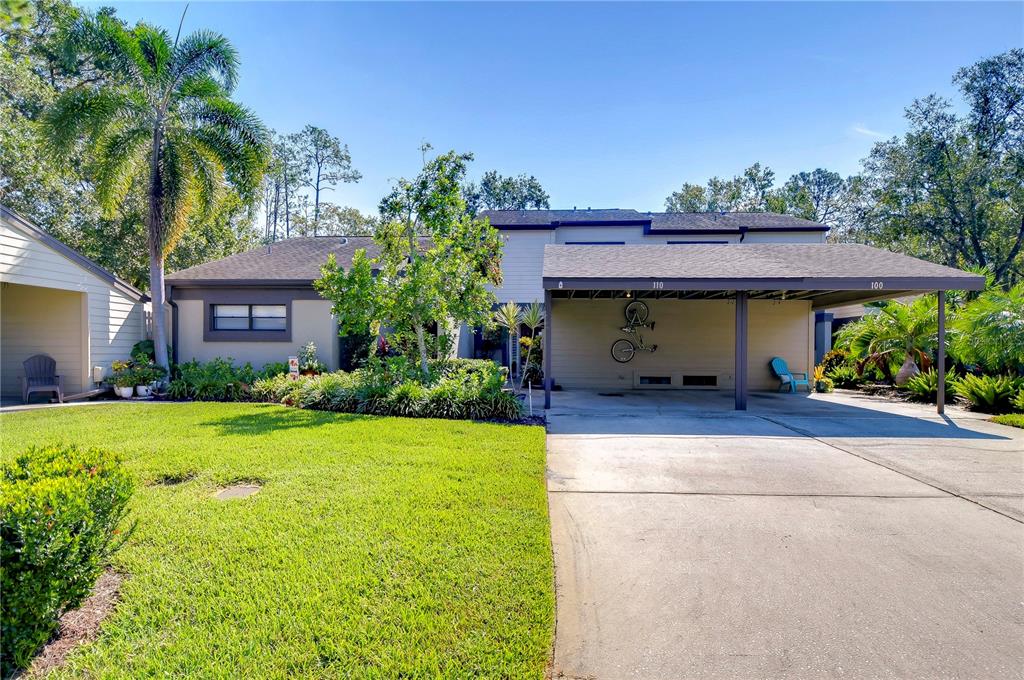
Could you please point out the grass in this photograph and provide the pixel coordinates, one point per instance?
(377, 547)
(1011, 419)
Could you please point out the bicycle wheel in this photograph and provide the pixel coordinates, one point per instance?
(623, 350)
(636, 312)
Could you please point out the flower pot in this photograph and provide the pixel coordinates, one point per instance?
(142, 390)
(124, 392)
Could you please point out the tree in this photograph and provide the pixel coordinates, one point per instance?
(820, 195)
(989, 330)
(952, 188)
(907, 330)
(497, 192)
(414, 282)
(509, 316)
(335, 220)
(165, 121)
(326, 162)
(753, 191)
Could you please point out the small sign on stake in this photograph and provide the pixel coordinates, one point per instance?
(293, 368)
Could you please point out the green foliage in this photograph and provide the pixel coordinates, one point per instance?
(989, 330)
(824, 384)
(309, 361)
(896, 330)
(1011, 419)
(59, 512)
(219, 379)
(458, 389)
(925, 385)
(835, 358)
(445, 279)
(989, 393)
(1018, 401)
(497, 192)
(845, 376)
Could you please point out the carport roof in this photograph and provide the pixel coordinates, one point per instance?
(827, 274)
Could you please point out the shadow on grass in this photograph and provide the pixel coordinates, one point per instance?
(272, 418)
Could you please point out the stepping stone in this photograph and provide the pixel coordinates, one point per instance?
(237, 491)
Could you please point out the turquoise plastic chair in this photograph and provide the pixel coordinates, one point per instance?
(788, 381)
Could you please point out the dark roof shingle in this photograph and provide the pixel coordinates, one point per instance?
(741, 261)
(293, 260)
(654, 221)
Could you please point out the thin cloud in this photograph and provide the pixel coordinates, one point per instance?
(865, 131)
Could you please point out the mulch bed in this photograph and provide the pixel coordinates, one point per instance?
(79, 625)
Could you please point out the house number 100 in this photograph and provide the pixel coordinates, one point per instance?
(877, 285)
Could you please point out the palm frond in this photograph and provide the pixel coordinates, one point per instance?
(178, 190)
(119, 157)
(155, 46)
(206, 52)
(81, 114)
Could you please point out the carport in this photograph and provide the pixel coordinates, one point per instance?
(820, 275)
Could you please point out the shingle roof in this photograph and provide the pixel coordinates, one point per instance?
(292, 260)
(652, 221)
(743, 261)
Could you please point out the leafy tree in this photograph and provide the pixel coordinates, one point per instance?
(326, 162)
(820, 195)
(442, 279)
(165, 121)
(753, 191)
(335, 220)
(497, 192)
(952, 188)
(903, 331)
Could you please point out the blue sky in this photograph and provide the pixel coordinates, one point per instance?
(609, 105)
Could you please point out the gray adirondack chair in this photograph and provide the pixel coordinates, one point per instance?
(41, 376)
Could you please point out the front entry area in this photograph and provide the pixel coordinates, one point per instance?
(821, 536)
(37, 320)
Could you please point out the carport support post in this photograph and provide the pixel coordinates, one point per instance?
(547, 349)
(940, 394)
(741, 350)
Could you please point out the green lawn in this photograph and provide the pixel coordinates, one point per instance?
(378, 547)
(1011, 419)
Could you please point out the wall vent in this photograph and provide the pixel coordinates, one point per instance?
(700, 381)
(655, 380)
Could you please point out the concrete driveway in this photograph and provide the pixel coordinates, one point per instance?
(824, 536)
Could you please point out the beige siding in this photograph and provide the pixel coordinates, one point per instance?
(36, 320)
(311, 320)
(694, 337)
(522, 264)
(115, 321)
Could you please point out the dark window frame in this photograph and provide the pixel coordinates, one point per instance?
(212, 334)
(249, 317)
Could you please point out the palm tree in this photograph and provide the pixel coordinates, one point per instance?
(509, 316)
(164, 123)
(897, 328)
(990, 330)
(532, 318)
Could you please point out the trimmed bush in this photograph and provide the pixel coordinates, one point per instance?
(59, 512)
(989, 393)
(925, 386)
(219, 379)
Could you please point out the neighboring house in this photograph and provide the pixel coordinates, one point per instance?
(56, 301)
(703, 276)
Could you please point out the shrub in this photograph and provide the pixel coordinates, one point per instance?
(309, 361)
(272, 369)
(59, 512)
(836, 358)
(989, 393)
(216, 380)
(1018, 401)
(925, 386)
(845, 376)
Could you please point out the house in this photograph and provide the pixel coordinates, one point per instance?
(56, 301)
(701, 277)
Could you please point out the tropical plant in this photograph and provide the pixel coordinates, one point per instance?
(834, 358)
(309, 361)
(164, 119)
(533, 319)
(990, 330)
(845, 376)
(897, 330)
(925, 385)
(509, 317)
(1018, 401)
(989, 393)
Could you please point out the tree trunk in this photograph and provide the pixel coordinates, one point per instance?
(422, 343)
(907, 371)
(154, 228)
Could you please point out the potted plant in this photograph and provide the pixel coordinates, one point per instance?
(144, 378)
(822, 383)
(309, 362)
(124, 383)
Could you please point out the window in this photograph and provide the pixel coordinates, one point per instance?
(249, 317)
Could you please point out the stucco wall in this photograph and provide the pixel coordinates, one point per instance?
(693, 336)
(115, 321)
(310, 320)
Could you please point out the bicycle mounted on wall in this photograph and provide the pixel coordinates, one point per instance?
(623, 349)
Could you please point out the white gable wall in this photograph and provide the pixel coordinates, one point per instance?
(115, 321)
